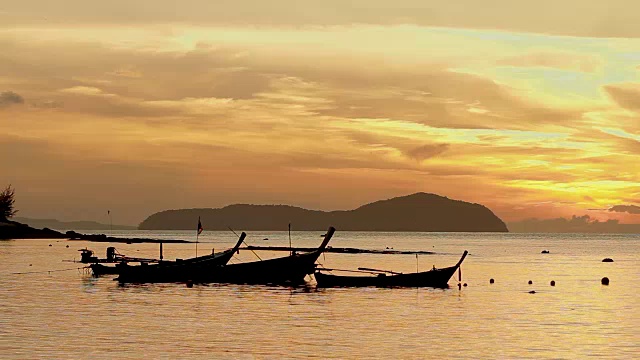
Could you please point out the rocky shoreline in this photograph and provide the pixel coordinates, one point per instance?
(13, 230)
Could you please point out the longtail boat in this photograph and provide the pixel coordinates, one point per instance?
(99, 269)
(87, 256)
(289, 270)
(176, 271)
(438, 278)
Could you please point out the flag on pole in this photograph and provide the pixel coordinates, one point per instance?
(199, 226)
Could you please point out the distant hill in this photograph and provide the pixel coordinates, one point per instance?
(14, 230)
(65, 225)
(577, 224)
(417, 212)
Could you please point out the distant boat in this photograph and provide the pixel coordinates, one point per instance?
(438, 278)
(176, 271)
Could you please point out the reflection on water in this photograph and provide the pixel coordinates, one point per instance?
(89, 283)
(68, 314)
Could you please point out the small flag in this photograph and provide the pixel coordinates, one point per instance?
(199, 226)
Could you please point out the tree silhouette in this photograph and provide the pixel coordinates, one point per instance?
(6, 203)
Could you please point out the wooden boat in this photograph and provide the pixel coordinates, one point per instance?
(289, 270)
(438, 278)
(113, 256)
(176, 271)
(99, 269)
(87, 256)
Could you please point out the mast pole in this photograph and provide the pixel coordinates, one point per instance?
(290, 250)
(110, 222)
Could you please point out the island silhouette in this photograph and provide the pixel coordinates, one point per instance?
(415, 212)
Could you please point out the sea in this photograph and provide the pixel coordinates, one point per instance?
(52, 307)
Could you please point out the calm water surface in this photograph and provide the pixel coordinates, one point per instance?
(67, 313)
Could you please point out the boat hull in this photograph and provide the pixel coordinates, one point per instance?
(172, 271)
(285, 270)
(290, 270)
(99, 269)
(437, 278)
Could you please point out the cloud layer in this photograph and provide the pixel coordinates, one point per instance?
(10, 98)
(614, 18)
(323, 111)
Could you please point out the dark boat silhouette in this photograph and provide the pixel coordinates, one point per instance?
(289, 270)
(87, 256)
(175, 271)
(438, 278)
(99, 269)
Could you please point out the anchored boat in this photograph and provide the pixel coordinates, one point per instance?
(289, 270)
(87, 256)
(438, 278)
(176, 271)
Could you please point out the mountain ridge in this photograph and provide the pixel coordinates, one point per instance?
(415, 212)
(66, 225)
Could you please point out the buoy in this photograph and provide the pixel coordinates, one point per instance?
(50, 245)
(465, 285)
(605, 281)
(189, 283)
(607, 260)
(30, 264)
(530, 282)
(544, 252)
(67, 246)
(532, 292)
(491, 281)
(552, 283)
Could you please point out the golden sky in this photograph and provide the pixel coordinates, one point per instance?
(139, 106)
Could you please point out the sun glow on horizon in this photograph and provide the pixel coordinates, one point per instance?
(325, 115)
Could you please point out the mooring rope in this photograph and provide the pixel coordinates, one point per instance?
(46, 271)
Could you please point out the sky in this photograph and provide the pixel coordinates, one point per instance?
(532, 110)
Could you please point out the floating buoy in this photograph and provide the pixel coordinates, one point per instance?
(544, 252)
(607, 260)
(189, 284)
(50, 245)
(30, 264)
(552, 283)
(532, 292)
(465, 285)
(491, 281)
(605, 281)
(530, 282)
(67, 246)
